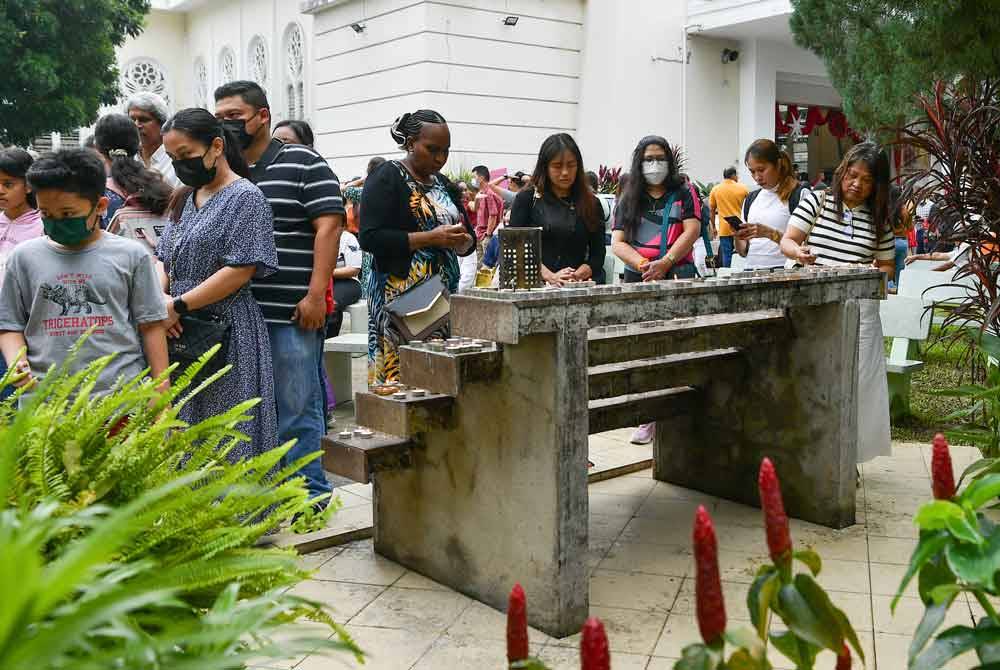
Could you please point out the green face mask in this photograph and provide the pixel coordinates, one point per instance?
(69, 231)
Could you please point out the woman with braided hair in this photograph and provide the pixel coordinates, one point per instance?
(140, 194)
(415, 227)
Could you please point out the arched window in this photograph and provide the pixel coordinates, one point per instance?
(294, 71)
(144, 74)
(200, 83)
(257, 61)
(227, 66)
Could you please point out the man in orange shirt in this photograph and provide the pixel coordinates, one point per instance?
(726, 199)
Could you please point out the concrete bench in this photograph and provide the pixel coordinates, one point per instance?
(939, 288)
(337, 355)
(907, 320)
(358, 313)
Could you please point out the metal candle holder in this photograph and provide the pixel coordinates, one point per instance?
(521, 258)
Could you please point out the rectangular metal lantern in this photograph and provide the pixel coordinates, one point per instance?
(521, 258)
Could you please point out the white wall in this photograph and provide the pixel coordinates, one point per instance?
(164, 40)
(234, 23)
(761, 61)
(713, 110)
(624, 93)
(502, 88)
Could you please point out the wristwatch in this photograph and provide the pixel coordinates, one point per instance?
(180, 306)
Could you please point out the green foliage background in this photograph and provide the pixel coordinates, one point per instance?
(879, 53)
(57, 59)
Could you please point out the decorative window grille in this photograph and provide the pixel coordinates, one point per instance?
(227, 66)
(200, 83)
(257, 61)
(294, 71)
(144, 74)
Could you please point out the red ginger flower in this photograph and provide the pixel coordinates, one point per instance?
(779, 540)
(710, 606)
(844, 659)
(942, 475)
(594, 653)
(517, 625)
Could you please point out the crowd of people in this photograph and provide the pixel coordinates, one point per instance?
(173, 233)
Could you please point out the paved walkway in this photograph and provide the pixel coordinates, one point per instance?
(642, 579)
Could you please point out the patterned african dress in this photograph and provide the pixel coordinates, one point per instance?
(431, 206)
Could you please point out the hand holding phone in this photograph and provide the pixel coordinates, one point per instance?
(734, 222)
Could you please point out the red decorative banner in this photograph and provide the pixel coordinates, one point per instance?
(833, 119)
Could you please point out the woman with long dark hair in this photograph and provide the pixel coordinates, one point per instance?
(849, 224)
(561, 203)
(224, 239)
(415, 227)
(657, 220)
(140, 216)
(766, 211)
(115, 138)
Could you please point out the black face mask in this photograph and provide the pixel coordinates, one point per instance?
(238, 127)
(192, 171)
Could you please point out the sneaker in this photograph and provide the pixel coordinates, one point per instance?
(643, 434)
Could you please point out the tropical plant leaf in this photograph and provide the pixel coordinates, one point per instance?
(932, 619)
(952, 643)
(759, 598)
(798, 651)
(808, 615)
(698, 657)
(931, 544)
(811, 559)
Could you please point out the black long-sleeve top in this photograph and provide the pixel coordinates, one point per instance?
(388, 220)
(566, 240)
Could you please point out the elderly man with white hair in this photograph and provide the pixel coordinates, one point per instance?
(149, 112)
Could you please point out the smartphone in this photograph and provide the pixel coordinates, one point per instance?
(734, 222)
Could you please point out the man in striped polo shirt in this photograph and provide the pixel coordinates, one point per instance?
(308, 217)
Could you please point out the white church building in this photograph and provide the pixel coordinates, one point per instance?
(706, 74)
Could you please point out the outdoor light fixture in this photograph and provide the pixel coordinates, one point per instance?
(510, 21)
(730, 55)
(358, 28)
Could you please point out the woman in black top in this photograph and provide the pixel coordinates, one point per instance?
(561, 203)
(653, 246)
(414, 226)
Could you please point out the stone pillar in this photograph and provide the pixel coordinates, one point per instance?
(500, 495)
(796, 405)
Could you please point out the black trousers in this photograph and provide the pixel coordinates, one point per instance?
(346, 292)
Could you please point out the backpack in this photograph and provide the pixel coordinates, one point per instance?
(793, 200)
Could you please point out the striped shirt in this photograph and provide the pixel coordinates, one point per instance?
(300, 186)
(850, 238)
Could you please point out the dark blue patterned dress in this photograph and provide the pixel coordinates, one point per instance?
(233, 228)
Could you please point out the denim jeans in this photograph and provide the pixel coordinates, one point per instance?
(902, 250)
(726, 248)
(298, 393)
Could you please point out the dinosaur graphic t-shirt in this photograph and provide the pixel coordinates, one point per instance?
(53, 295)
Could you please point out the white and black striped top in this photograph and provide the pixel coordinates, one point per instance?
(300, 186)
(849, 239)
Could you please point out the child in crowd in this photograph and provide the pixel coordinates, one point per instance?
(19, 218)
(80, 277)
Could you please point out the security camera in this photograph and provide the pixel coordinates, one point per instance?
(730, 56)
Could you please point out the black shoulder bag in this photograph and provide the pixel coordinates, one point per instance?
(201, 330)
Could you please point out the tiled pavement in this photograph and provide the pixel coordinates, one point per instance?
(642, 579)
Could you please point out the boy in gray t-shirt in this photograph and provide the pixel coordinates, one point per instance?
(79, 277)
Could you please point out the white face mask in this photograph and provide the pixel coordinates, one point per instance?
(655, 172)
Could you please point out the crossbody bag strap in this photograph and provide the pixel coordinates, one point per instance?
(665, 225)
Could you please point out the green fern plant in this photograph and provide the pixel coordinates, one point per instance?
(178, 552)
